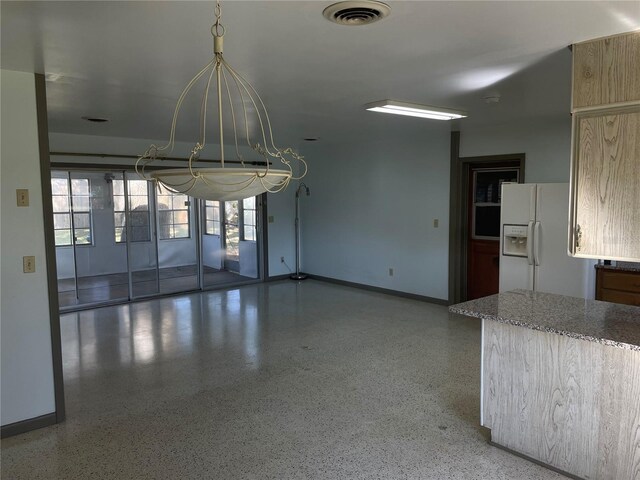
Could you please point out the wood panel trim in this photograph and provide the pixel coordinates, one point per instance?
(50, 245)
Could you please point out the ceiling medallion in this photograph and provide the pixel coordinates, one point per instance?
(252, 177)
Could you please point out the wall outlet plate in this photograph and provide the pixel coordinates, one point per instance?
(29, 264)
(22, 197)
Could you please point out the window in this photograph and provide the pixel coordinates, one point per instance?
(138, 192)
(64, 201)
(249, 219)
(173, 215)
(211, 217)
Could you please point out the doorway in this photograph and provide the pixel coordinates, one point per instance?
(483, 226)
(474, 216)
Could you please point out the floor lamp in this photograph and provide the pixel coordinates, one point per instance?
(298, 275)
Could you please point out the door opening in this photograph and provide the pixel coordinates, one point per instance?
(474, 220)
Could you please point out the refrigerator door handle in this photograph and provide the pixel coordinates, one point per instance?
(536, 244)
(530, 243)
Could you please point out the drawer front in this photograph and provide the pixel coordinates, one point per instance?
(628, 282)
(616, 296)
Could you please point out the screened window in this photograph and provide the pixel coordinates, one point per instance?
(211, 217)
(173, 215)
(67, 199)
(138, 192)
(249, 219)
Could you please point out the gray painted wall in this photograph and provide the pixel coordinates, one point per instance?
(546, 143)
(372, 206)
(27, 368)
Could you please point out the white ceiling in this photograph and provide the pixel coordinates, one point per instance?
(128, 61)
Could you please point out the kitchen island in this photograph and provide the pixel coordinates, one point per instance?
(560, 381)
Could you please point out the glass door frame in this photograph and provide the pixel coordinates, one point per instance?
(68, 169)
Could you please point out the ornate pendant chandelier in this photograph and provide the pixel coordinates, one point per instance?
(247, 108)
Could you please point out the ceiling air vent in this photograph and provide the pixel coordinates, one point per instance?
(360, 12)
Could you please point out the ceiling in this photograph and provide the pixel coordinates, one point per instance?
(128, 61)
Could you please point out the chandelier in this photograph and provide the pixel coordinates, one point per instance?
(236, 98)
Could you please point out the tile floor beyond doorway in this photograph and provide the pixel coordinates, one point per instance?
(269, 381)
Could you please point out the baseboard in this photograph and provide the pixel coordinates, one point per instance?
(24, 426)
(388, 291)
(533, 460)
(277, 278)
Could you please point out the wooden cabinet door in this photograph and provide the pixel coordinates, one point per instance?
(605, 71)
(606, 179)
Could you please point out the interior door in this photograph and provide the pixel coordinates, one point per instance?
(483, 267)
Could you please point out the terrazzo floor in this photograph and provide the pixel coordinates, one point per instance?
(285, 380)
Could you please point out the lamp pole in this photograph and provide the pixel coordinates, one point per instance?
(298, 275)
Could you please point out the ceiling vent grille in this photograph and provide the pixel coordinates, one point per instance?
(361, 12)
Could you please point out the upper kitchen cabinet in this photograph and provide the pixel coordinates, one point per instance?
(605, 160)
(605, 71)
(607, 180)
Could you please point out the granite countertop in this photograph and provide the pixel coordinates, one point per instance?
(620, 268)
(603, 322)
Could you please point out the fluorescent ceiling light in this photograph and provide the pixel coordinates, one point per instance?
(415, 110)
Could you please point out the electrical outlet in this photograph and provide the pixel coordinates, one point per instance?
(281, 259)
(436, 223)
(22, 197)
(391, 272)
(29, 264)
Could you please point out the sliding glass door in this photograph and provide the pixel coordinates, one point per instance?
(89, 257)
(136, 228)
(177, 242)
(118, 238)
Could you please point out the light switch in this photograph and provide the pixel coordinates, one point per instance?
(270, 219)
(436, 223)
(22, 195)
(28, 264)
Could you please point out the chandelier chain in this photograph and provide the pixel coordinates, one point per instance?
(218, 29)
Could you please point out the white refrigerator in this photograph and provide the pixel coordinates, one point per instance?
(534, 252)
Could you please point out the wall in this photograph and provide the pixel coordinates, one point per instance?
(546, 143)
(372, 206)
(280, 206)
(27, 371)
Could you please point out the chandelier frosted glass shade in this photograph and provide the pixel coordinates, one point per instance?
(247, 119)
(223, 184)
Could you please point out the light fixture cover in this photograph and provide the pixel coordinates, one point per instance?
(415, 110)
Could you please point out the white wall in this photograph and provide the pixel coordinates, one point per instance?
(546, 143)
(27, 369)
(372, 205)
(280, 206)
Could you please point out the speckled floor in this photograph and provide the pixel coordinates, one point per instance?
(270, 381)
